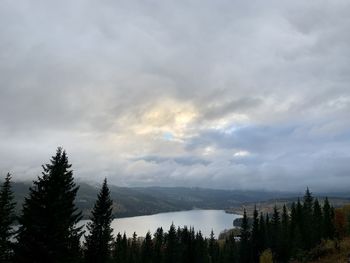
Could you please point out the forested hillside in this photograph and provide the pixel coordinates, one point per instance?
(134, 201)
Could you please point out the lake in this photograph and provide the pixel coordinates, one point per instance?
(203, 220)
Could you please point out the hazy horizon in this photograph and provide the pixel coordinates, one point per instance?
(224, 94)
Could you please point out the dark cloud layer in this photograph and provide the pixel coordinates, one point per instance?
(227, 94)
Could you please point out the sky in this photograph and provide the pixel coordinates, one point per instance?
(219, 94)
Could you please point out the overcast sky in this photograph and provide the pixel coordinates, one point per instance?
(221, 94)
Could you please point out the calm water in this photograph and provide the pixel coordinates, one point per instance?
(203, 220)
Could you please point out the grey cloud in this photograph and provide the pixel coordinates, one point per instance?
(83, 75)
(242, 105)
(183, 160)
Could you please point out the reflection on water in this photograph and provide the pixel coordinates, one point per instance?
(203, 220)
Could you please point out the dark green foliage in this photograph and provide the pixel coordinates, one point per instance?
(201, 250)
(292, 236)
(284, 238)
(328, 224)
(171, 245)
(267, 231)
(229, 250)
(98, 242)
(317, 223)
(262, 233)
(213, 249)
(307, 220)
(244, 251)
(275, 234)
(120, 249)
(308, 202)
(7, 217)
(186, 240)
(47, 230)
(255, 237)
(158, 244)
(134, 251)
(147, 249)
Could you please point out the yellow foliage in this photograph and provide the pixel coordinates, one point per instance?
(266, 256)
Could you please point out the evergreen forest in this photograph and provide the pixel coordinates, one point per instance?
(47, 229)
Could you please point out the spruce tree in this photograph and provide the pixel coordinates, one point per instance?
(147, 249)
(285, 241)
(293, 222)
(317, 221)
(300, 224)
(229, 252)
(186, 245)
(119, 252)
(308, 201)
(307, 219)
(125, 248)
(7, 218)
(262, 233)
(158, 245)
(213, 248)
(48, 231)
(134, 252)
(328, 227)
(201, 251)
(275, 231)
(244, 251)
(294, 228)
(255, 241)
(171, 249)
(267, 231)
(98, 242)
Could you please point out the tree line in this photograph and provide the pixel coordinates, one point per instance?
(288, 234)
(48, 230)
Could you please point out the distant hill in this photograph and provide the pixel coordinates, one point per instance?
(134, 201)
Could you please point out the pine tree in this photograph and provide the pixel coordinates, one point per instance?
(201, 251)
(119, 252)
(171, 249)
(134, 251)
(158, 244)
(293, 222)
(300, 224)
(307, 219)
(48, 231)
(7, 218)
(147, 249)
(317, 221)
(191, 246)
(213, 248)
(186, 245)
(262, 233)
(125, 248)
(229, 253)
(308, 201)
(275, 231)
(267, 231)
(285, 241)
(98, 242)
(294, 228)
(244, 252)
(255, 244)
(328, 227)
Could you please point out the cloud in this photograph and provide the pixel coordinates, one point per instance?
(231, 94)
